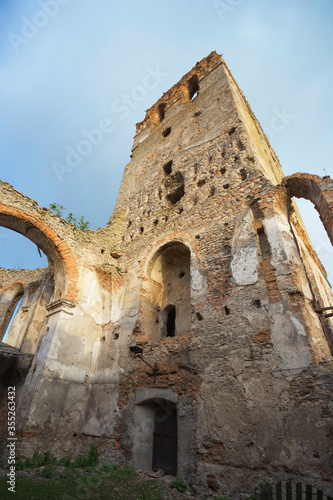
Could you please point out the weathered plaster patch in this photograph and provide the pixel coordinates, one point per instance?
(91, 302)
(273, 228)
(289, 340)
(245, 262)
(298, 325)
(197, 280)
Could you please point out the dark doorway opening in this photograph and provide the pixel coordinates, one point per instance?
(165, 438)
(170, 321)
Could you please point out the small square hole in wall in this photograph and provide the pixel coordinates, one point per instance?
(243, 174)
(166, 132)
(167, 168)
(115, 255)
(240, 145)
(226, 311)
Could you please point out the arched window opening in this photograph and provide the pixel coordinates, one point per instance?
(166, 299)
(193, 87)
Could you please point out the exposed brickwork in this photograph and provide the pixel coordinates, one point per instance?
(178, 91)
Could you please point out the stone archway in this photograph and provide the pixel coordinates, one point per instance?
(307, 272)
(55, 248)
(316, 189)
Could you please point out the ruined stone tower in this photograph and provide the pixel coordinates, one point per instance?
(206, 266)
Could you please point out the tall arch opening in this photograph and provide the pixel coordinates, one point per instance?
(311, 193)
(166, 304)
(315, 254)
(317, 235)
(59, 256)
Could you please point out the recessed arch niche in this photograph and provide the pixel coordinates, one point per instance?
(166, 298)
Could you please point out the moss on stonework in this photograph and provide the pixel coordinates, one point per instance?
(105, 267)
(117, 218)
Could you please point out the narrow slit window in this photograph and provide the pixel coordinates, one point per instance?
(171, 322)
(193, 87)
(263, 243)
(19, 300)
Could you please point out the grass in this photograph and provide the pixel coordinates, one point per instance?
(179, 485)
(105, 482)
(44, 477)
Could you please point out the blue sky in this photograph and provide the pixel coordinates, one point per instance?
(66, 65)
